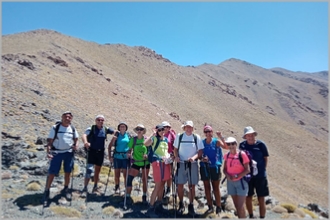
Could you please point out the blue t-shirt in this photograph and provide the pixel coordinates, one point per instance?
(258, 151)
(121, 147)
(98, 139)
(213, 152)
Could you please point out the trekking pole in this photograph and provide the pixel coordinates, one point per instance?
(72, 170)
(106, 185)
(128, 165)
(173, 188)
(176, 187)
(87, 153)
(190, 184)
(44, 201)
(146, 181)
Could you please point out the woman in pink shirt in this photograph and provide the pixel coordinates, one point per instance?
(235, 170)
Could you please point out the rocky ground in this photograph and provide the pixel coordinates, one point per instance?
(24, 176)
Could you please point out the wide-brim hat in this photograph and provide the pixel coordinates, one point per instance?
(122, 123)
(140, 126)
(165, 123)
(230, 140)
(189, 123)
(249, 130)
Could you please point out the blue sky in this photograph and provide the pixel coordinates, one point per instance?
(291, 35)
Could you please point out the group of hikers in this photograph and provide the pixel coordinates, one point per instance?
(174, 161)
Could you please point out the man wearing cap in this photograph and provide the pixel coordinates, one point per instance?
(94, 140)
(60, 148)
(259, 152)
(170, 135)
(186, 154)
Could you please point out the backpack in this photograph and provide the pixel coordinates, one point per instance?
(252, 164)
(115, 144)
(180, 140)
(151, 150)
(57, 128)
(91, 135)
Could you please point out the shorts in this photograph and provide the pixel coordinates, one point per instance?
(260, 184)
(236, 187)
(134, 166)
(161, 171)
(210, 173)
(95, 157)
(183, 175)
(120, 163)
(56, 162)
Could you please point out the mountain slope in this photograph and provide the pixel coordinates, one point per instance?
(45, 72)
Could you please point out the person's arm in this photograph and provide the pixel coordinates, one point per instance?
(221, 141)
(148, 142)
(75, 144)
(49, 146)
(85, 142)
(266, 161)
(112, 143)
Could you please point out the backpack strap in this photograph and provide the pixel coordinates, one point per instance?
(57, 128)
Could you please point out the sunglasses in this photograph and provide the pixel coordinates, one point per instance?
(100, 120)
(139, 129)
(233, 143)
(207, 132)
(167, 127)
(160, 129)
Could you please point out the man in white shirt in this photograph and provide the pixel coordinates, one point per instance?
(188, 148)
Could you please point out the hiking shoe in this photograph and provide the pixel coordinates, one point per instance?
(117, 190)
(96, 190)
(83, 193)
(151, 212)
(144, 199)
(191, 210)
(66, 192)
(181, 208)
(210, 210)
(218, 210)
(46, 197)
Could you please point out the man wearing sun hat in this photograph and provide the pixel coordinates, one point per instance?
(94, 140)
(186, 154)
(259, 152)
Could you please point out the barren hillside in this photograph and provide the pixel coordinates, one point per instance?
(45, 72)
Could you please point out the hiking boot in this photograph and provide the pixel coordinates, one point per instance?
(66, 192)
(151, 212)
(46, 197)
(191, 210)
(117, 190)
(218, 210)
(96, 190)
(210, 210)
(181, 208)
(83, 193)
(129, 200)
(144, 199)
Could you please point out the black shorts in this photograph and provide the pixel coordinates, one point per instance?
(260, 184)
(210, 173)
(134, 166)
(95, 157)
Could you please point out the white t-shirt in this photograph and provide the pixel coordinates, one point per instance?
(187, 146)
(64, 140)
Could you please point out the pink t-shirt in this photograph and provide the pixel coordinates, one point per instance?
(170, 140)
(233, 164)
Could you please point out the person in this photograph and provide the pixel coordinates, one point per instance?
(259, 183)
(210, 167)
(235, 170)
(94, 140)
(186, 152)
(119, 158)
(161, 166)
(170, 135)
(138, 154)
(60, 148)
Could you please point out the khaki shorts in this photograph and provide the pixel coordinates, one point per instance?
(183, 174)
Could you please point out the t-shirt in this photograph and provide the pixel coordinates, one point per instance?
(213, 152)
(121, 147)
(162, 149)
(64, 140)
(98, 140)
(170, 140)
(187, 146)
(138, 151)
(258, 151)
(233, 164)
